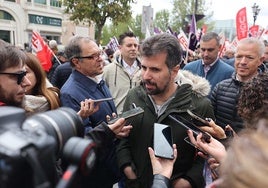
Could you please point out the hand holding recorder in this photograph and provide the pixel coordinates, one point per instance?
(213, 148)
(190, 126)
(127, 115)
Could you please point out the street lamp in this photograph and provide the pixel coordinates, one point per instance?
(255, 10)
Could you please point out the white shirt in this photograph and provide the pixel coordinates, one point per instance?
(130, 69)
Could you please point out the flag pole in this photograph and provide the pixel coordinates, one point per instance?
(58, 61)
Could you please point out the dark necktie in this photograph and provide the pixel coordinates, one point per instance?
(101, 89)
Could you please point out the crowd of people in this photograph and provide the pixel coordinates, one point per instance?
(230, 93)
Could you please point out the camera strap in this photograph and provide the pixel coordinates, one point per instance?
(40, 180)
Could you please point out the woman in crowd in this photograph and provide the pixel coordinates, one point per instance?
(253, 97)
(41, 95)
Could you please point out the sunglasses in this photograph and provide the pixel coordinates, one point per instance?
(19, 75)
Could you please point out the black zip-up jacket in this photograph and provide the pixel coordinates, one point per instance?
(224, 100)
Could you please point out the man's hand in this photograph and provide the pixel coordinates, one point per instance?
(162, 166)
(120, 129)
(181, 183)
(87, 108)
(214, 130)
(213, 148)
(130, 174)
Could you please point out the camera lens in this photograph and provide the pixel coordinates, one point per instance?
(80, 152)
(62, 124)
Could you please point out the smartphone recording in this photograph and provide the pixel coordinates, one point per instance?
(128, 114)
(197, 119)
(103, 99)
(188, 141)
(190, 126)
(163, 141)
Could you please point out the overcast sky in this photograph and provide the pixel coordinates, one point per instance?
(223, 9)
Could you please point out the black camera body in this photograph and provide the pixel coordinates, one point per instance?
(27, 159)
(30, 147)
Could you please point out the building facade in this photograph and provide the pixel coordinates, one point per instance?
(228, 27)
(147, 19)
(18, 18)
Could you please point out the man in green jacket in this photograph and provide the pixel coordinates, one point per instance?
(159, 96)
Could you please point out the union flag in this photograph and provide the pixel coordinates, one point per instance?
(43, 52)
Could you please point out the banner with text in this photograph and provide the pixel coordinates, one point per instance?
(241, 24)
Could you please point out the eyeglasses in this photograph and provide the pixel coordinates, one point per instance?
(19, 75)
(93, 56)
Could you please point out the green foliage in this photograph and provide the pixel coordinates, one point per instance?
(182, 11)
(162, 20)
(110, 30)
(98, 11)
(118, 12)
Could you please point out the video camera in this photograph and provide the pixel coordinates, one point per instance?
(30, 147)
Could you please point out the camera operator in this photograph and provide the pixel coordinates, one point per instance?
(13, 82)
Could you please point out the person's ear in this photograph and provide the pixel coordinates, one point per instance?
(262, 59)
(175, 70)
(75, 61)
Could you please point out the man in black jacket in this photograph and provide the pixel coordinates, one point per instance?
(248, 58)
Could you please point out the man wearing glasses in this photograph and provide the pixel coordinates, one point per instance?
(13, 82)
(85, 83)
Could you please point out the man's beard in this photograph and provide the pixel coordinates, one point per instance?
(9, 101)
(157, 90)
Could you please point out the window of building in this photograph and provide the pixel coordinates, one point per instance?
(11, 0)
(5, 15)
(5, 35)
(44, 2)
(55, 3)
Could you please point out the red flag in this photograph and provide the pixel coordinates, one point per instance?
(266, 32)
(222, 42)
(254, 31)
(234, 43)
(43, 52)
(183, 40)
(260, 32)
(204, 29)
(241, 24)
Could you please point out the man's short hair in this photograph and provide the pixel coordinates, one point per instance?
(163, 43)
(10, 56)
(211, 35)
(73, 48)
(124, 35)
